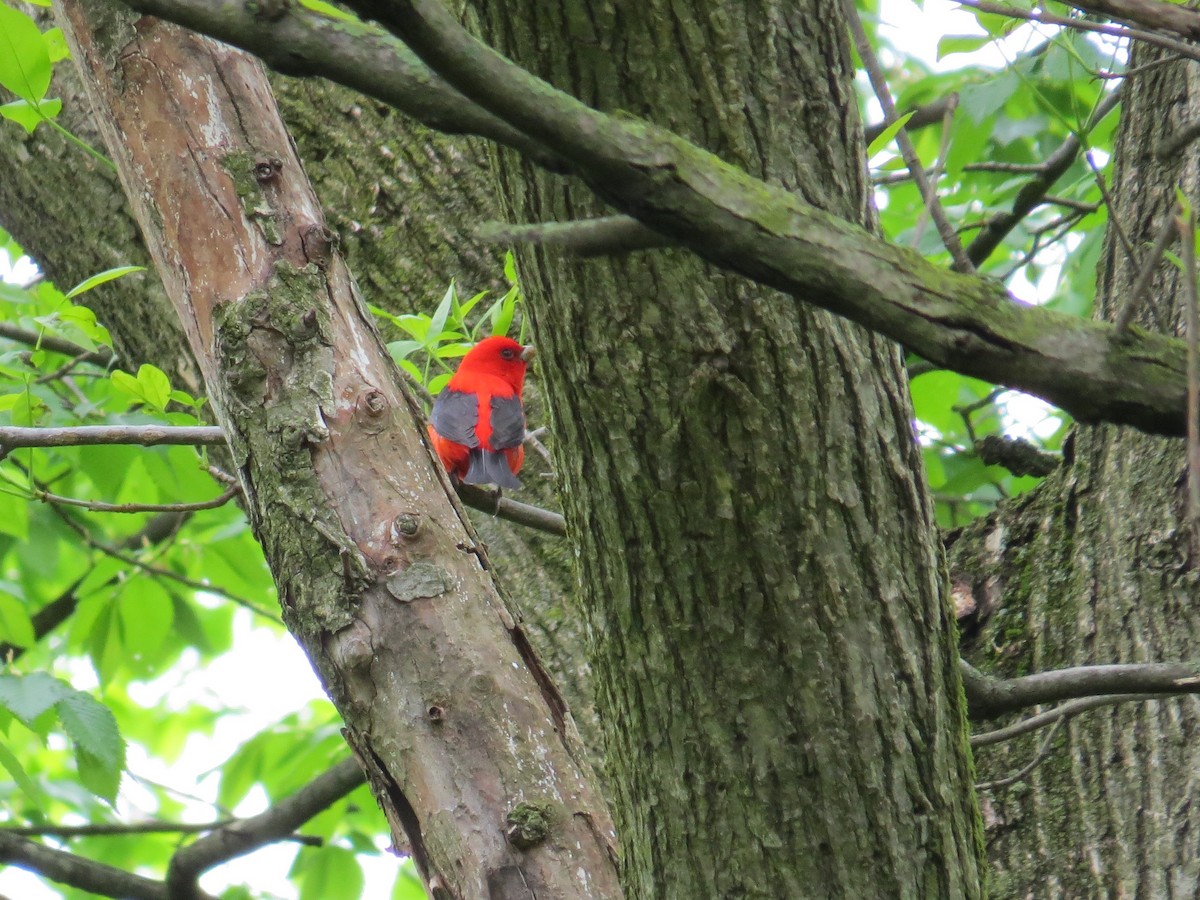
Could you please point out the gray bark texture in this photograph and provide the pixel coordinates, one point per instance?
(772, 643)
(1094, 568)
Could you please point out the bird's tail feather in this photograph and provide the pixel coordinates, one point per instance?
(490, 467)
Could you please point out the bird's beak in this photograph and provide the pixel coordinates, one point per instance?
(528, 352)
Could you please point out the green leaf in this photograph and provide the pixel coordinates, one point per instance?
(93, 728)
(502, 319)
(102, 278)
(28, 696)
(16, 627)
(56, 44)
(100, 779)
(438, 323)
(983, 100)
(155, 385)
(13, 765)
(84, 320)
(961, 43)
(146, 616)
(24, 60)
(887, 134)
(403, 349)
(510, 268)
(327, 873)
(29, 114)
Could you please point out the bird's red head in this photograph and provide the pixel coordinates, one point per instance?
(501, 357)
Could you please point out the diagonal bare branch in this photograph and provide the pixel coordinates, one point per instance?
(988, 697)
(767, 234)
(246, 835)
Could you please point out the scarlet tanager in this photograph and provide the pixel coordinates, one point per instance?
(477, 425)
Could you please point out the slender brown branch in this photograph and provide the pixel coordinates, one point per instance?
(107, 829)
(13, 437)
(1049, 717)
(928, 114)
(1034, 192)
(1042, 752)
(884, 95)
(78, 871)
(935, 174)
(246, 835)
(1147, 37)
(988, 697)
(488, 500)
(101, 357)
(99, 506)
(1114, 217)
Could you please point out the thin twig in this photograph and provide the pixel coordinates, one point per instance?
(164, 573)
(1146, 274)
(246, 835)
(1187, 238)
(106, 829)
(102, 357)
(99, 506)
(1113, 217)
(1063, 712)
(122, 829)
(1034, 192)
(936, 173)
(1146, 37)
(490, 501)
(533, 439)
(13, 437)
(883, 94)
(1042, 752)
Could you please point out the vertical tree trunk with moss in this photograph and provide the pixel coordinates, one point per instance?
(773, 649)
(1094, 568)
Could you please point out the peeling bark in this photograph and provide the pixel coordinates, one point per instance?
(442, 697)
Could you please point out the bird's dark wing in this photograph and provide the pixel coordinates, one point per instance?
(508, 422)
(455, 415)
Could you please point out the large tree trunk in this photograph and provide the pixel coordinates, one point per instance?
(1094, 568)
(773, 653)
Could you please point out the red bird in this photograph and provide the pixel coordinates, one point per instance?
(477, 425)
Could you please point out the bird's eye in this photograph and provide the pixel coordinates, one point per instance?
(507, 353)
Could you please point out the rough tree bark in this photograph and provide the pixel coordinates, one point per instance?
(773, 653)
(466, 743)
(1094, 568)
(404, 202)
